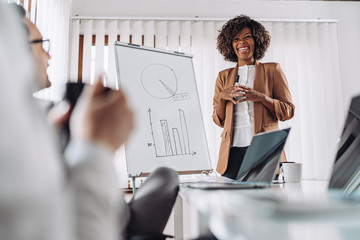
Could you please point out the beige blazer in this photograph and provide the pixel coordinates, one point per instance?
(270, 80)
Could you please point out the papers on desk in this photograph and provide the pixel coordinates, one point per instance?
(223, 185)
(204, 177)
(206, 182)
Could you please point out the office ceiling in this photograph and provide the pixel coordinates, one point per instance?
(174, 8)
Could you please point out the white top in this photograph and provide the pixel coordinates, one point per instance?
(243, 128)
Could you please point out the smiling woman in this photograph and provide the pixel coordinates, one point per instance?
(244, 45)
(250, 98)
(230, 33)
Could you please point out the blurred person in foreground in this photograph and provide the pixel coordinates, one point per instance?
(47, 195)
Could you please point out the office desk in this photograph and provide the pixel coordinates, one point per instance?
(288, 211)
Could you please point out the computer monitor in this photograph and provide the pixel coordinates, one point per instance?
(346, 169)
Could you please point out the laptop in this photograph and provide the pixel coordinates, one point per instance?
(345, 176)
(259, 165)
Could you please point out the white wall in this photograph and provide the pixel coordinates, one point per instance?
(347, 13)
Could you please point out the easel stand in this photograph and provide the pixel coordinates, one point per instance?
(133, 185)
(133, 178)
(141, 174)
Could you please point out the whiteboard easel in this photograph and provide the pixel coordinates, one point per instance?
(162, 91)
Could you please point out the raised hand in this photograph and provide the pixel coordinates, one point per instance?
(102, 116)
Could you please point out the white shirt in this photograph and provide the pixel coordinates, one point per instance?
(38, 201)
(243, 125)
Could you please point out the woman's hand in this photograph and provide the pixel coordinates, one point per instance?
(231, 94)
(249, 94)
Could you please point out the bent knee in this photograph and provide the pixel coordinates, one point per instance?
(167, 175)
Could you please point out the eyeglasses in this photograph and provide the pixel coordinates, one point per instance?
(45, 44)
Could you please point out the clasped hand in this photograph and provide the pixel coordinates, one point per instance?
(241, 93)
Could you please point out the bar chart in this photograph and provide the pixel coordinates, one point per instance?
(173, 141)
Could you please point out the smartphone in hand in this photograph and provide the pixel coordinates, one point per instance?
(72, 94)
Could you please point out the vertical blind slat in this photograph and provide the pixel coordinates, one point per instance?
(292, 148)
(302, 109)
(208, 80)
(112, 37)
(33, 10)
(270, 52)
(313, 65)
(336, 76)
(99, 46)
(173, 36)
(124, 31)
(65, 40)
(136, 27)
(74, 54)
(161, 34)
(26, 5)
(149, 31)
(185, 37)
(197, 50)
(86, 70)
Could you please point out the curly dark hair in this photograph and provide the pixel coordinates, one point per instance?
(229, 31)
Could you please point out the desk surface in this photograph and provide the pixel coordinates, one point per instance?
(287, 211)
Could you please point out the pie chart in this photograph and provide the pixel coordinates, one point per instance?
(159, 81)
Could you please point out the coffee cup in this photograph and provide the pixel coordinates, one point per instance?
(291, 172)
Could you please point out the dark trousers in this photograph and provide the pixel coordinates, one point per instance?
(152, 204)
(236, 157)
